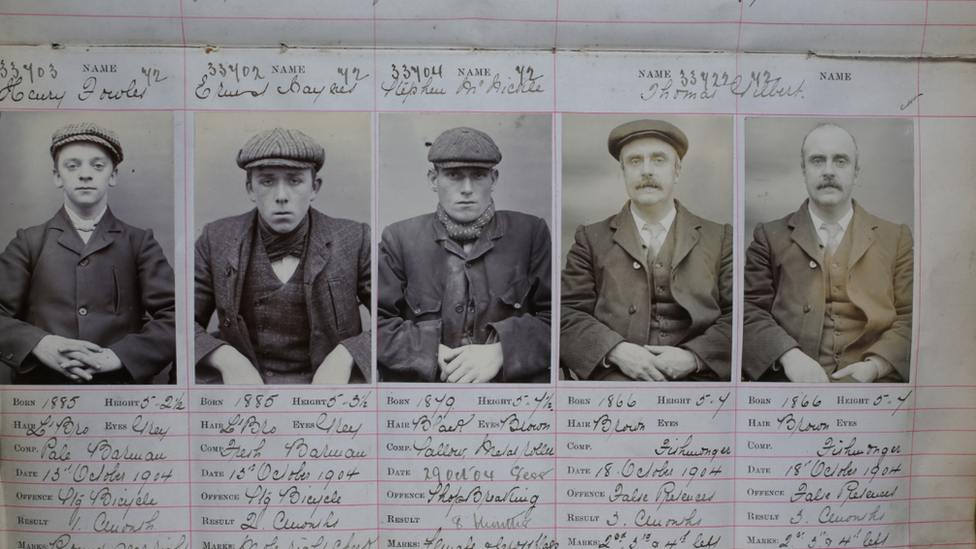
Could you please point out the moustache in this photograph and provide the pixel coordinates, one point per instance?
(648, 183)
(828, 182)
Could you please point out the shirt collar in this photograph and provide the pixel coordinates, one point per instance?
(76, 220)
(844, 223)
(666, 222)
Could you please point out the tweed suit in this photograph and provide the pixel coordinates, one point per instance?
(606, 293)
(785, 293)
(336, 281)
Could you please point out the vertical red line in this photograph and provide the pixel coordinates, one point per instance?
(737, 287)
(188, 297)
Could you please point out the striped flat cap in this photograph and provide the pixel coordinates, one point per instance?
(281, 147)
(459, 147)
(87, 132)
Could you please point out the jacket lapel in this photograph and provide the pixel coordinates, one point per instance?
(69, 237)
(104, 234)
(686, 226)
(863, 224)
(319, 251)
(804, 233)
(626, 236)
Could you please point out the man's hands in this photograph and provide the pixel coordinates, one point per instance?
(865, 371)
(800, 368)
(336, 368)
(75, 359)
(652, 362)
(470, 363)
(234, 368)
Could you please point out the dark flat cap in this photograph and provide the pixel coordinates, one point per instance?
(87, 132)
(625, 133)
(459, 147)
(281, 147)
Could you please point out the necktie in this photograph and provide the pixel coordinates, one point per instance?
(654, 243)
(833, 235)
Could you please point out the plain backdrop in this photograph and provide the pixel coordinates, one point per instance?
(774, 184)
(218, 183)
(593, 184)
(144, 190)
(524, 174)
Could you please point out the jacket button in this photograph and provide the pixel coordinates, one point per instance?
(226, 322)
(83, 311)
(467, 264)
(813, 264)
(806, 308)
(660, 289)
(270, 374)
(416, 311)
(833, 265)
(517, 305)
(83, 262)
(459, 309)
(10, 356)
(633, 309)
(658, 265)
(637, 265)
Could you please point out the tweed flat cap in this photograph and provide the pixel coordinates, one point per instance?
(281, 147)
(625, 133)
(459, 147)
(87, 132)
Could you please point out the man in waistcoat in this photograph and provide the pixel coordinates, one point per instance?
(828, 289)
(647, 293)
(285, 280)
(464, 292)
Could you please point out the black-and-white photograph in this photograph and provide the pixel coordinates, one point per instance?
(282, 279)
(86, 277)
(647, 285)
(829, 267)
(465, 263)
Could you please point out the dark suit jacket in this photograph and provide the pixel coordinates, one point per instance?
(337, 280)
(606, 293)
(785, 294)
(116, 291)
(512, 265)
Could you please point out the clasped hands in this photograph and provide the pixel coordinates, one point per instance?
(652, 362)
(800, 368)
(75, 359)
(236, 369)
(470, 363)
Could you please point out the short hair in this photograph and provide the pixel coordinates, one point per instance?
(857, 153)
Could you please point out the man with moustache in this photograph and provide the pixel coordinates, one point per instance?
(285, 280)
(647, 293)
(464, 292)
(828, 289)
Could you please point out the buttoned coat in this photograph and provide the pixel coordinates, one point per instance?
(785, 292)
(512, 262)
(116, 291)
(606, 292)
(336, 281)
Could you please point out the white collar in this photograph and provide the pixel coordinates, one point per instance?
(666, 221)
(76, 220)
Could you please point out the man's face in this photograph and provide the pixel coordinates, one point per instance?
(463, 192)
(85, 171)
(282, 195)
(829, 165)
(651, 168)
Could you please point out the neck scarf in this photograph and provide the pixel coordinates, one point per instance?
(462, 232)
(280, 245)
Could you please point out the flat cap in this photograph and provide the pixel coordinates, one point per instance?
(625, 133)
(87, 132)
(459, 147)
(281, 147)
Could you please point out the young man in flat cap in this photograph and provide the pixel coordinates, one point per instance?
(285, 280)
(647, 293)
(828, 289)
(465, 292)
(85, 297)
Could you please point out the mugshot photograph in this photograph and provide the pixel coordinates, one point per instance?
(646, 292)
(464, 263)
(829, 268)
(282, 281)
(86, 283)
